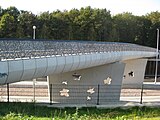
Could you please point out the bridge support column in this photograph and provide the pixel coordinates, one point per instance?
(81, 86)
(134, 72)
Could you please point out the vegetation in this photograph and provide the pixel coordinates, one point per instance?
(84, 24)
(29, 111)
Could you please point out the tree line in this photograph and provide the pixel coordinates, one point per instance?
(80, 24)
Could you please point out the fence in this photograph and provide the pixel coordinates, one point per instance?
(23, 93)
(81, 94)
(84, 94)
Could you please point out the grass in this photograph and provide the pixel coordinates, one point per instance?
(29, 111)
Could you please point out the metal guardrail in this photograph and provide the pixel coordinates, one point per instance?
(82, 94)
(14, 49)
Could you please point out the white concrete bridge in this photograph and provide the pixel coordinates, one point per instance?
(73, 62)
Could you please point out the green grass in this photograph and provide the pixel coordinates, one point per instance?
(29, 111)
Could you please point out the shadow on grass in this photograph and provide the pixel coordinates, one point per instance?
(29, 109)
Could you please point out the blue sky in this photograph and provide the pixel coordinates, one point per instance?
(137, 7)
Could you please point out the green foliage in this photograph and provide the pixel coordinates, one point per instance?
(26, 20)
(30, 111)
(84, 24)
(13, 116)
(7, 26)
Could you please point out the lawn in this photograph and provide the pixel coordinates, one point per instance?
(29, 111)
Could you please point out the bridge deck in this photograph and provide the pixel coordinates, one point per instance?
(24, 48)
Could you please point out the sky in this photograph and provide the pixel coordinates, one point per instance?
(137, 7)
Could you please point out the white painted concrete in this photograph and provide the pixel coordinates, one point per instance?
(75, 62)
(138, 67)
(15, 70)
(29, 69)
(3, 69)
(61, 62)
(52, 65)
(90, 78)
(69, 63)
(26, 69)
(41, 67)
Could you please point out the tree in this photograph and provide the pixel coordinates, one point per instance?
(74, 28)
(13, 11)
(7, 26)
(84, 20)
(84, 24)
(154, 17)
(93, 24)
(59, 25)
(1, 12)
(142, 31)
(26, 20)
(43, 26)
(125, 25)
(102, 24)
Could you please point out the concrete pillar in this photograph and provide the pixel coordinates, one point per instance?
(134, 72)
(81, 87)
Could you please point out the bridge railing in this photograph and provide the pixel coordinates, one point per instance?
(12, 49)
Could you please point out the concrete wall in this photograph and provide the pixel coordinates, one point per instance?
(90, 78)
(137, 66)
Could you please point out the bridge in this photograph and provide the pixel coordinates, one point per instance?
(73, 62)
